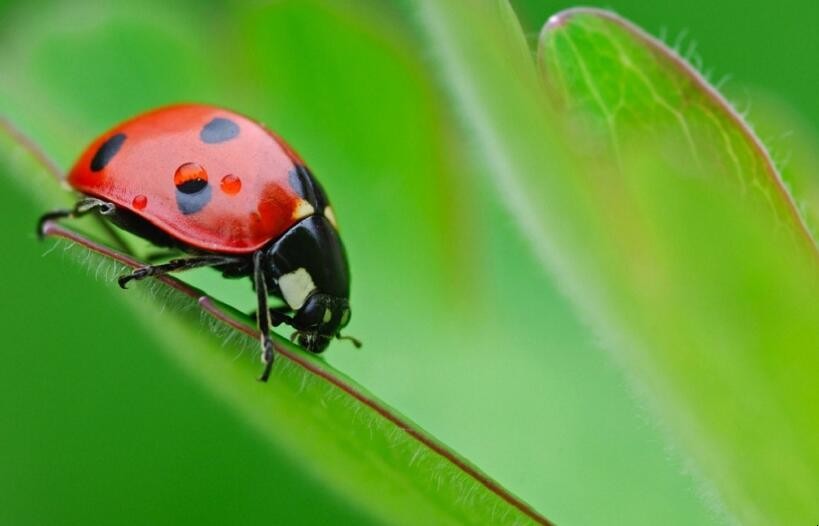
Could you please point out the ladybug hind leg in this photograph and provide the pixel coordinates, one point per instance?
(83, 207)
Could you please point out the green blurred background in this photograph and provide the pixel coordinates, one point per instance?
(463, 331)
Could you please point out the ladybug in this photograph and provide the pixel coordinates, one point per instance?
(231, 195)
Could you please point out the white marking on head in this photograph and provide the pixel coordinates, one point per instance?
(303, 209)
(295, 287)
(331, 217)
(328, 315)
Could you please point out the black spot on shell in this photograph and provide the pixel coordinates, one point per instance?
(107, 151)
(190, 203)
(219, 130)
(305, 185)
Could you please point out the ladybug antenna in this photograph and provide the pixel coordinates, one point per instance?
(355, 341)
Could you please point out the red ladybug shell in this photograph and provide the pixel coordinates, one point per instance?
(209, 177)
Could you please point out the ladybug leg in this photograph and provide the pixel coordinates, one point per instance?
(278, 315)
(83, 206)
(175, 265)
(263, 315)
(154, 257)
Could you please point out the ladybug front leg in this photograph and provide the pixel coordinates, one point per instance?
(279, 315)
(263, 314)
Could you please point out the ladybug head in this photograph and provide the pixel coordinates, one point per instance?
(320, 319)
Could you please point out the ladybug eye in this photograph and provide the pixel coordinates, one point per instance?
(190, 178)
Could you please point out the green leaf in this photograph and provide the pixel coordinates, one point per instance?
(662, 216)
(462, 330)
(443, 280)
(374, 457)
(794, 144)
(602, 67)
(723, 358)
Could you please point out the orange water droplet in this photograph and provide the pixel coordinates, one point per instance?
(189, 172)
(140, 202)
(231, 184)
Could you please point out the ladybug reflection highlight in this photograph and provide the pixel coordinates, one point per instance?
(233, 196)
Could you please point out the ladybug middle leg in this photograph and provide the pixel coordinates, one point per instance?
(176, 265)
